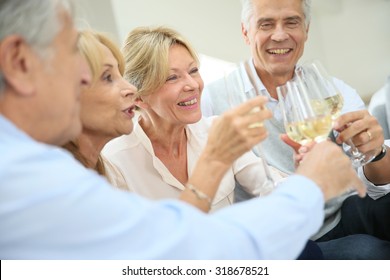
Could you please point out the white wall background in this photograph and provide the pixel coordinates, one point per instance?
(99, 15)
(351, 37)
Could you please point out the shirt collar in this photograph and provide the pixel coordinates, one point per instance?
(259, 86)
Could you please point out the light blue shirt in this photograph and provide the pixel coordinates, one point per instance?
(379, 107)
(53, 208)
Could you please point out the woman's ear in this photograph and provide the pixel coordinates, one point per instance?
(139, 102)
(17, 65)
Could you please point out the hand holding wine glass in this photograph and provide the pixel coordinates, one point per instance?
(315, 72)
(366, 132)
(235, 87)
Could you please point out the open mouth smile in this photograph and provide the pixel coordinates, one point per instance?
(188, 103)
(279, 51)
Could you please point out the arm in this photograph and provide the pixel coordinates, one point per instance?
(313, 152)
(57, 209)
(375, 191)
(367, 135)
(376, 175)
(92, 220)
(378, 172)
(329, 167)
(229, 137)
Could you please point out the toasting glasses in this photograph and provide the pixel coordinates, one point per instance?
(306, 115)
(315, 74)
(236, 94)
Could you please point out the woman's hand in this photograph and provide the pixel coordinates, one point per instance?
(231, 135)
(237, 131)
(299, 150)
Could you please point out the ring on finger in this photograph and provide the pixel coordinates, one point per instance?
(369, 135)
(256, 124)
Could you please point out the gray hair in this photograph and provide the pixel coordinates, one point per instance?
(247, 12)
(36, 21)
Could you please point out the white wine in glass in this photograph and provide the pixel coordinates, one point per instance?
(316, 73)
(306, 118)
(335, 103)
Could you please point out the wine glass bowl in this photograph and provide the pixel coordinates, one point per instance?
(237, 94)
(306, 117)
(314, 73)
(235, 87)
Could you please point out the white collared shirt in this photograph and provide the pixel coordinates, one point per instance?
(145, 174)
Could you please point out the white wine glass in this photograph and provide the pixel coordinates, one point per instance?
(236, 95)
(315, 73)
(318, 79)
(306, 117)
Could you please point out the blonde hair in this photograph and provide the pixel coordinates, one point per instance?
(146, 52)
(90, 45)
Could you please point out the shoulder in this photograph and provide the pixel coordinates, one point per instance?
(115, 176)
(214, 92)
(124, 142)
(344, 88)
(380, 97)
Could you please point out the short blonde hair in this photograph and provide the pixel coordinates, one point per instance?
(90, 47)
(146, 53)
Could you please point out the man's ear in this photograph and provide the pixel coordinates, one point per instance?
(307, 30)
(16, 64)
(244, 32)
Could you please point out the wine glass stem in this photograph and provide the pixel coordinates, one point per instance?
(259, 150)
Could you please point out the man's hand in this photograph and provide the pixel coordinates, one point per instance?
(331, 169)
(363, 129)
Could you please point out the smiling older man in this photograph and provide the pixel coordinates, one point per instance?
(276, 32)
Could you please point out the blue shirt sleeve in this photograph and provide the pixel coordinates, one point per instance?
(53, 208)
